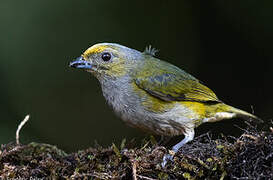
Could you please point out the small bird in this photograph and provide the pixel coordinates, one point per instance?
(153, 95)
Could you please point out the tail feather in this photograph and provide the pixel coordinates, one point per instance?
(243, 114)
(223, 111)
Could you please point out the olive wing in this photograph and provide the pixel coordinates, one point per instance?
(175, 87)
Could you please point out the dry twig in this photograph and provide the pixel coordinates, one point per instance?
(20, 127)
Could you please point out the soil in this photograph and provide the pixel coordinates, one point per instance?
(248, 157)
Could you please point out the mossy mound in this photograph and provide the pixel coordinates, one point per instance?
(247, 157)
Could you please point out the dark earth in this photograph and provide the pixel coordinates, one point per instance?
(248, 157)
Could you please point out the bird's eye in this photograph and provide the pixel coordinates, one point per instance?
(106, 56)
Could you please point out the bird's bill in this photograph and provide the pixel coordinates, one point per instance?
(80, 63)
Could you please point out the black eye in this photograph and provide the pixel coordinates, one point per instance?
(106, 56)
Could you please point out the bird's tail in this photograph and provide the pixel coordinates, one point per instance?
(223, 111)
(243, 114)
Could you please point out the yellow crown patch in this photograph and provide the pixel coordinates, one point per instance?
(93, 50)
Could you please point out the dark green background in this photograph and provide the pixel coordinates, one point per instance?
(226, 44)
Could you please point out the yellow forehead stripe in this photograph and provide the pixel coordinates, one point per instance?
(93, 50)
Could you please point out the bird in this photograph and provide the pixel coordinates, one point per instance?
(153, 95)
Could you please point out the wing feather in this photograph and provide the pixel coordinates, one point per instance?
(170, 83)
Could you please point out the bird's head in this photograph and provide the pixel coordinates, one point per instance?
(108, 60)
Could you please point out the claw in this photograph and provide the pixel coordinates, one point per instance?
(166, 158)
(169, 157)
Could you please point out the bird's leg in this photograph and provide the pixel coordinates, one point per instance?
(189, 135)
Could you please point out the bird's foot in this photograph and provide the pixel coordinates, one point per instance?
(189, 134)
(166, 158)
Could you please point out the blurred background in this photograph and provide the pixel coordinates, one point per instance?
(226, 44)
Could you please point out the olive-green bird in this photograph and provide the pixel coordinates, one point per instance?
(153, 95)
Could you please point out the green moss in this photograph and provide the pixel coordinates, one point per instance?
(187, 176)
(247, 156)
(163, 176)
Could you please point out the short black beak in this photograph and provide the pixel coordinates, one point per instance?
(80, 63)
